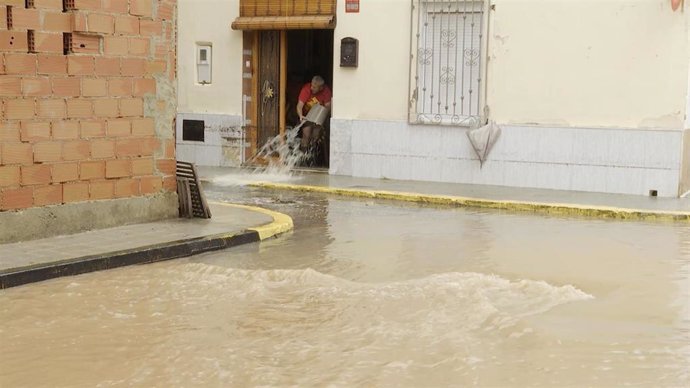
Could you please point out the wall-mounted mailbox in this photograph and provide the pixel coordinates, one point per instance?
(349, 51)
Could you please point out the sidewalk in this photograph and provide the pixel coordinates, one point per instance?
(617, 206)
(231, 225)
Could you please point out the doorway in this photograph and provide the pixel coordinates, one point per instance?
(287, 60)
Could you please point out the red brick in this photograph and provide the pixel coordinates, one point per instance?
(17, 153)
(65, 172)
(102, 190)
(3, 17)
(10, 86)
(9, 131)
(106, 107)
(115, 45)
(118, 168)
(131, 107)
(48, 4)
(101, 23)
(35, 131)
(78, 65)
(79, 22)
(165, 11)
(9, 176)
(150, 28)
(20, 63)
(144, 86)
(48, 195)
(166, 166)
(25, 19)
(143, 127)
(21, 198)
(55, 108)
(107, 66)
(127, 25)
(128, 147)
(66, 87)
(36, 86)
(141, 8)
(133, 67)
(91, 129)
(155, 67)
(79, 107)
(126, 188)
(92, 5)
(36, 175)
(102, 149)
(57, 22)
(118, 128)
(20, 109)
(148, 145)
(114, 6)
(169, 145)
(120, 87)
(52, 64)
(65, 130)
(13, 41)
(142, 167)
(46, 42)
(86, 44)
(139, 46)
(76, 150)
(91, 170)
(75, 192)
(170, 183)
(93, 87)
(151, 184)
(50, 151)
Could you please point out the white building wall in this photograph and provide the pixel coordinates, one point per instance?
(219, 104)
(591, 95)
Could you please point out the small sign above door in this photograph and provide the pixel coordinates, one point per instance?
(352, 6)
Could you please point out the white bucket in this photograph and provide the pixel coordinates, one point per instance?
(317, 114)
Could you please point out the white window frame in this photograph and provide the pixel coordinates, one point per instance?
(416, 92)
(208, 62)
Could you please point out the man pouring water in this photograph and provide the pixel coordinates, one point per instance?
(313, 93)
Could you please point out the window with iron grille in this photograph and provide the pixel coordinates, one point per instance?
(448, 51)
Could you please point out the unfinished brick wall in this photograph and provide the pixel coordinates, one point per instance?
(87, 100)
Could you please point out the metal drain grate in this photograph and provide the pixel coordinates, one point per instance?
(191, 197)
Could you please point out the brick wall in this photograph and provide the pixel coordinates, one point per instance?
(87, 100)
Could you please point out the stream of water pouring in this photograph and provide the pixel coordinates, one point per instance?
(281, 153)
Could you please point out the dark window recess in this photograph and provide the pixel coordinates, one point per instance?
(29, 3)
(193, 130)
(67, 43)
(31, 40)
(67, 5)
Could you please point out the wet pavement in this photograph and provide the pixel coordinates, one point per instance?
(485, 196)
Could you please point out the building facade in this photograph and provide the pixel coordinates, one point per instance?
(589, 96)
(87, 109)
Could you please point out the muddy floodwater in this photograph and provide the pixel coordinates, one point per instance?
(371, 293)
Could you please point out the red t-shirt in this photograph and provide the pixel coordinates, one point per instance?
(305, 96)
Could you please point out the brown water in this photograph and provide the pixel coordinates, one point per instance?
(367, 293)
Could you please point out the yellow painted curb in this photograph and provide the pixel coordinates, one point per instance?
(549, 208)
(281, 222)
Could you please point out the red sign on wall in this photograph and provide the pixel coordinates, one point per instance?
(351, 5)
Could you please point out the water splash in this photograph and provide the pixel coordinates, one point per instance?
(281, 154)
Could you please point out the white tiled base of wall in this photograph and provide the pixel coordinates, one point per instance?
(222, 145)
(626, 161)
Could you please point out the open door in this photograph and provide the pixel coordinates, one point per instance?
(269, 90)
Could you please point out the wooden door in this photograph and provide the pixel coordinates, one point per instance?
(269, 93)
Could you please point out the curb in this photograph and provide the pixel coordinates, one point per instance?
(147, 254)
(538, 207)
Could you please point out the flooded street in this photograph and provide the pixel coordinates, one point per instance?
(372, 293)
